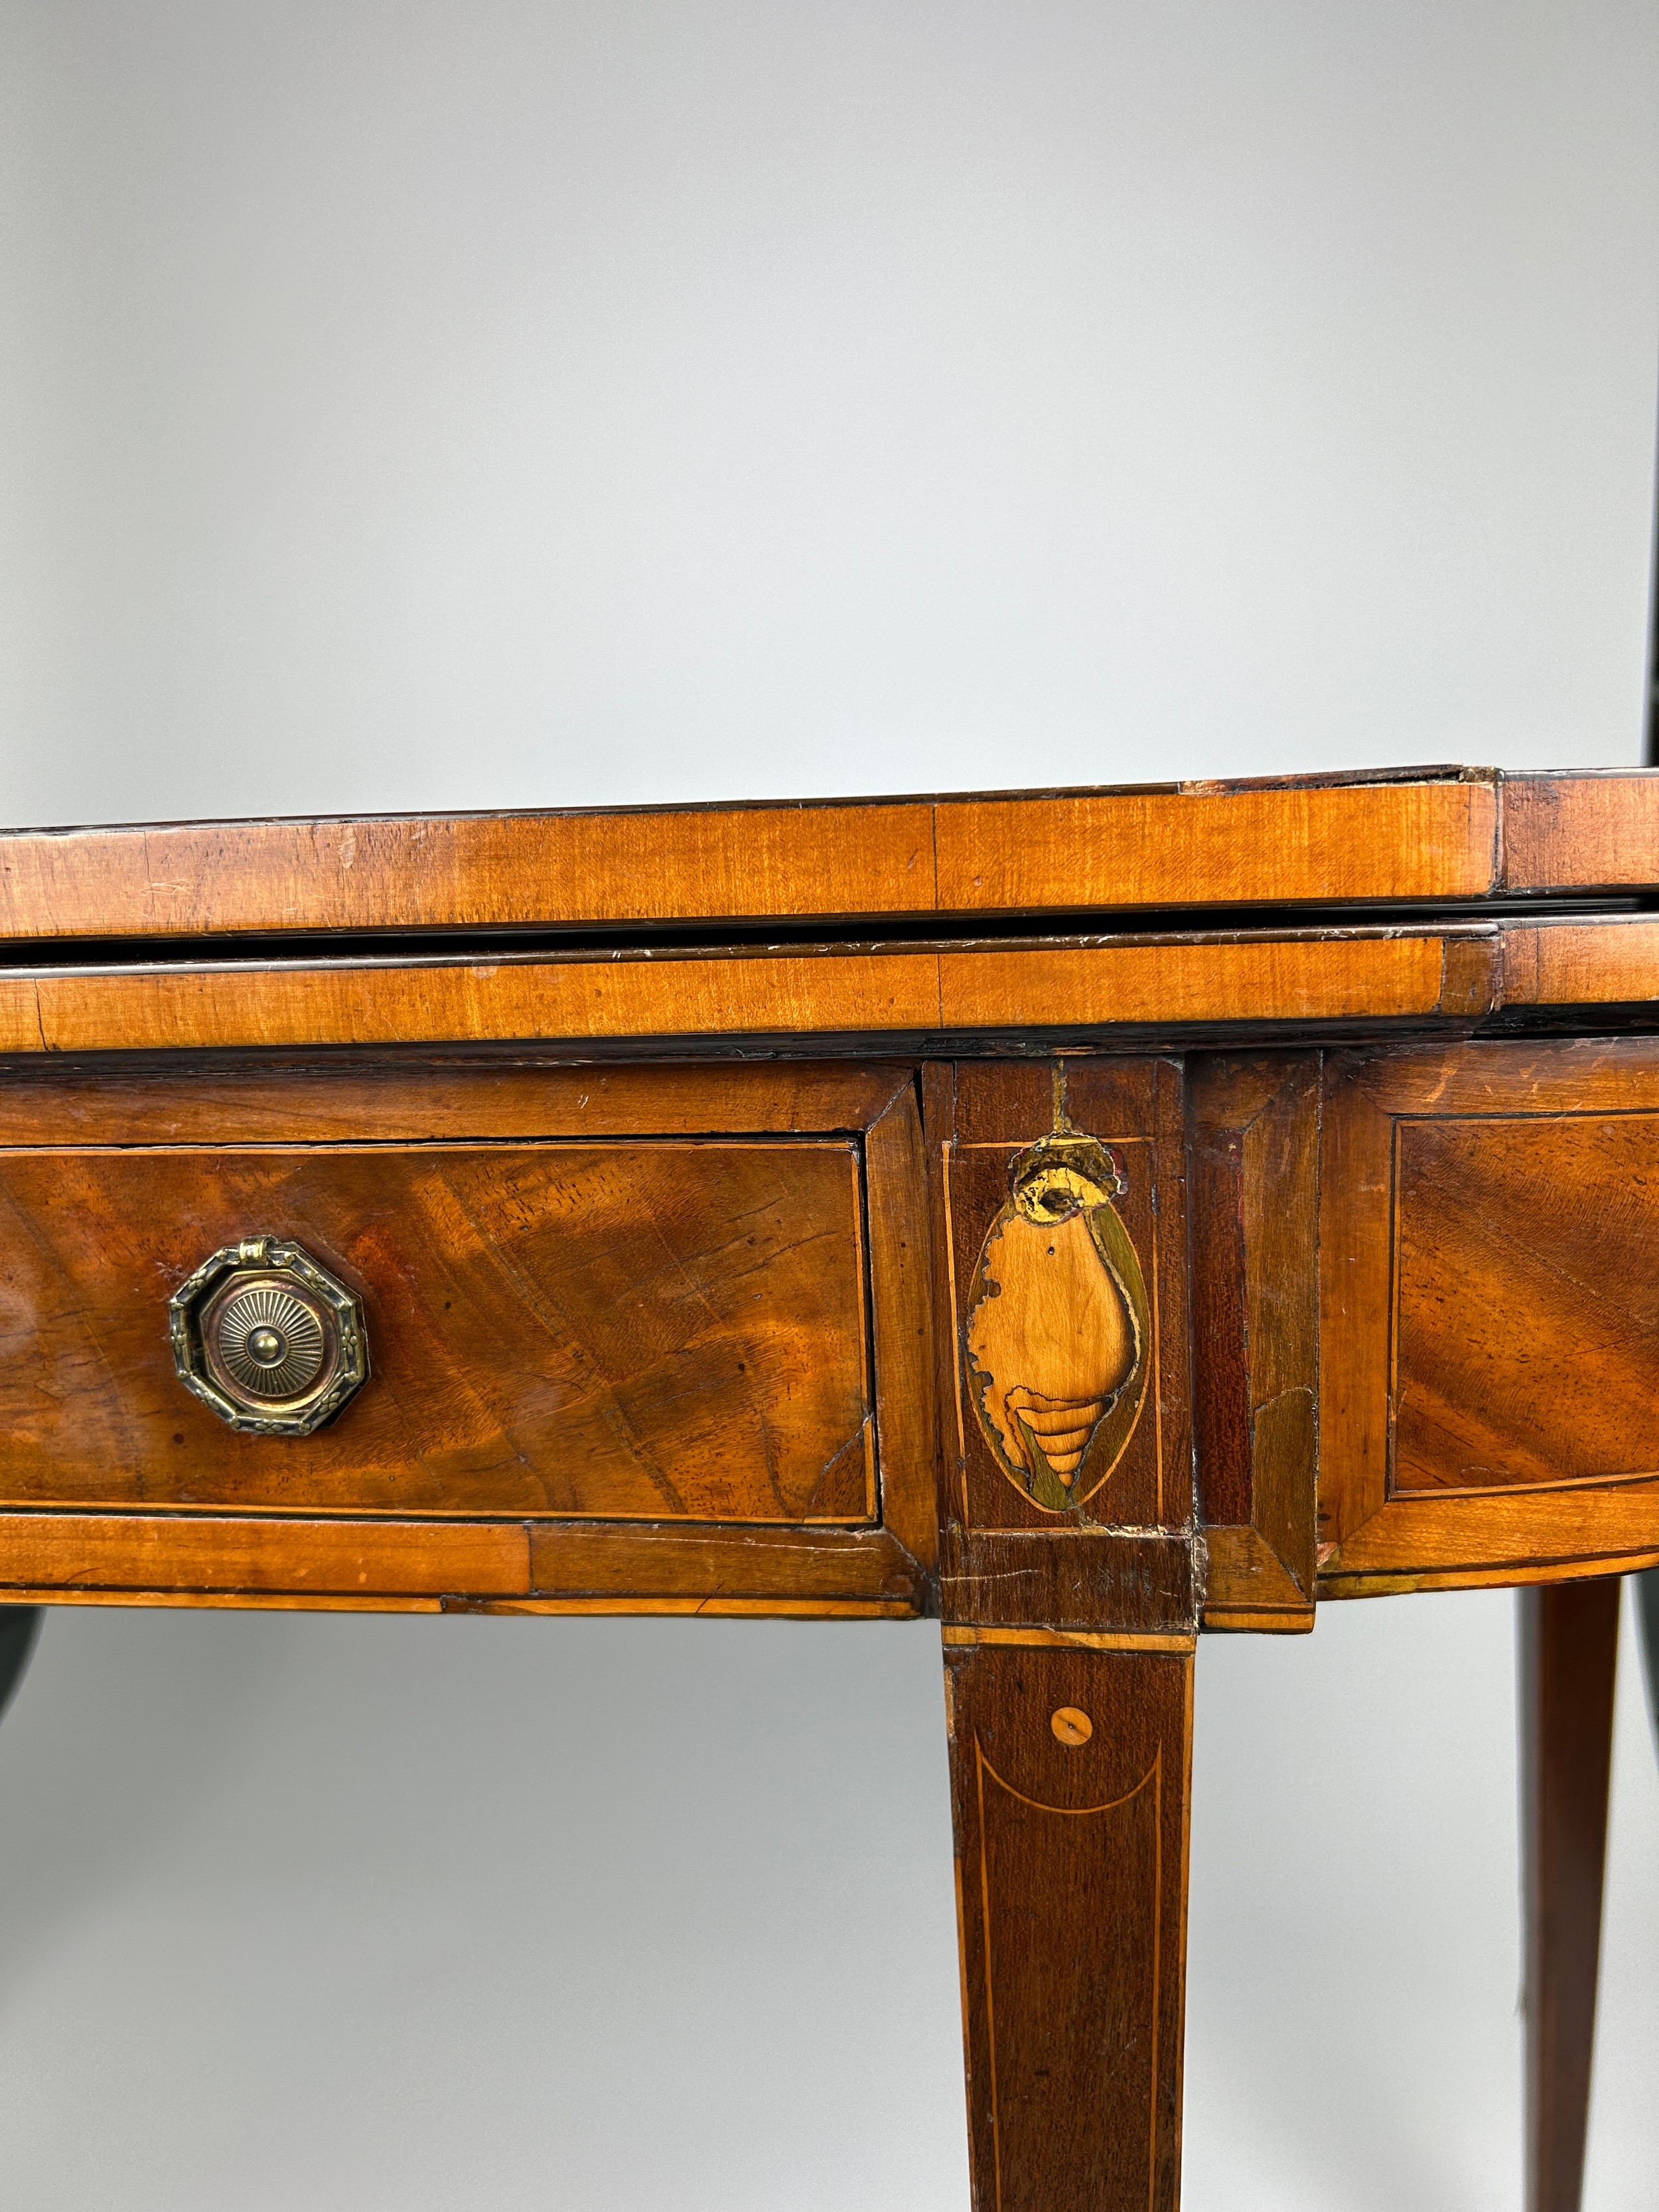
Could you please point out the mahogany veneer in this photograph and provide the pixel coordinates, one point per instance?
(1087, 1218)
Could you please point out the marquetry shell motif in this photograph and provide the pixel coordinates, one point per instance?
(1057, 1329)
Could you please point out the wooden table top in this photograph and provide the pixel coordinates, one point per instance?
(1200, 912)
(1445, 836)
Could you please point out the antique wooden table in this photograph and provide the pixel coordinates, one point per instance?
(1089, 1218)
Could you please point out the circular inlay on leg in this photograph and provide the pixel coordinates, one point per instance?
(1071, 1725)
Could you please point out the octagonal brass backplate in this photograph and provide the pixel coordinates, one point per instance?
(268, 1337)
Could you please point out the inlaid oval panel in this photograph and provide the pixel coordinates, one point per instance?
(1057, 1329)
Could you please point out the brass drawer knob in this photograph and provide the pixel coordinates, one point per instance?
(268, 1337)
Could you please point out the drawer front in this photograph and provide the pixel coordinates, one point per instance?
(649, 1295)
(627, 1330)
(1489, 1311)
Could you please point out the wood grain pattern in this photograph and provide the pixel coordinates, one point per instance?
(1320, 839)
(447, 1001)
(824, 991)
(1476, 1540)
(1248, 1587)
(19, 1016)
(995, 1113)
(1221, 980)
(1221, 1369)
(1253, 1162)
(392, 1097)
(721, 1604)
(901, 1237)
(473, 871)
(1569, 1656)
(1051, 1313)
(1394, 840)
(1454, 973)
(1418, 839)
(1058, 1333)
(1355, 1237)
(1489, 1232)
(1526, 1320)
(1066, 1640)
(1611, 961)
(670, 1560)
(1572, 832)
(1003, 1560)
(423, 1198)
(1564, 963)
(653, 1329)
(1131, 1582)
(1072, 1867)
(422, 1566)
(92, 1553)
(1500, 1078)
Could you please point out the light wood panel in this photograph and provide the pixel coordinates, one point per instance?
(1280, 979)
(1581, 963)
(1480, 1540)
(91, 1552)
(1210, 844)
(469, 871)
(1454, 973)
(422, 1566)
(827, 993)
(671, 1560)
(1423, 836)
(1064, 1639)
(194, 1009)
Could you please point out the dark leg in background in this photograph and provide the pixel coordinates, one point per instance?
(19, 1625)
(1568, 1652)
(1644, 1588)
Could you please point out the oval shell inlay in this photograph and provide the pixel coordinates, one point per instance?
(1057, 1334)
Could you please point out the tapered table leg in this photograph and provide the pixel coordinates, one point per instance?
(1569, 1650)
(1644, 1588)
(19, 1630)
(1070, 1769)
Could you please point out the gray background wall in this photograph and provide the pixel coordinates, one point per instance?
(420, 405)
